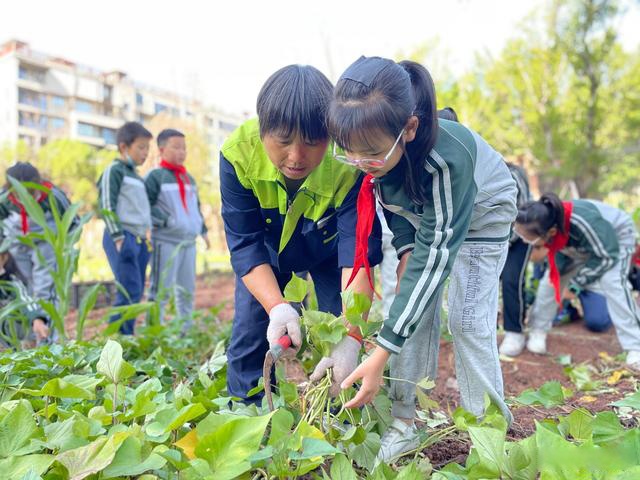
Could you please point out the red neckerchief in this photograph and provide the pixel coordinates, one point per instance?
(23, 213)
(558, 242)
(180, 172)
(366, 208)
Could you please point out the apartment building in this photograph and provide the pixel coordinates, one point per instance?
(43, 97)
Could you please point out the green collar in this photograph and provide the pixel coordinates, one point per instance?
(320, 181)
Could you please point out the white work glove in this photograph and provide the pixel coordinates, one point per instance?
(343, 359)
(284, 320)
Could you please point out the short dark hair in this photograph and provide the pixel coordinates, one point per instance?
(448, 113)
(166, 134)
(23, 172)
(128, 133)
(294, 100)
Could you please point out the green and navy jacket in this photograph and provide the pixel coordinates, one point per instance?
(519, 174)
(123, 201)
(11, 220)
(12, 288)
(597, 234)
(171, 222)
(265, 224)
(471, 197)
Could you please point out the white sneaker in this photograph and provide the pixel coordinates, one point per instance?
(397, 440)
(633, 359)
(537, 342)
(512, 344)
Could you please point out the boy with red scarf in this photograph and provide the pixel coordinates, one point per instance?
(177, 221)
(33, 264)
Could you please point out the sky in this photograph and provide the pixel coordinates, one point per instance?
(222, 51)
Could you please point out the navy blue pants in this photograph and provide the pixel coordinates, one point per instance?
(129, 267)
(596, 314)
(248, 345)
(513, 286)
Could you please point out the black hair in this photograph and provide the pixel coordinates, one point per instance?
(128, 133)
(538, 217)
(166, 134)
(23, 172)
(11, 270)
(294, 100)
(382, 106)
(448, 113)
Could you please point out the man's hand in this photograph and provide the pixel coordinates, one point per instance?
(284, 320)
(343, 360)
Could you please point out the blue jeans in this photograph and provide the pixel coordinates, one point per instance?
(248, 345)
(596, 313)
(129, 267)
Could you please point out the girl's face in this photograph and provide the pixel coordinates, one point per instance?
(294, 157)
(384, 151)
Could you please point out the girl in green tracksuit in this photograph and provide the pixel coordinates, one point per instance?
(449, 200)
(590, 245)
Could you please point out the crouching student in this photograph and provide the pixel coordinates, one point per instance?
(12, 289)
(287, 207)
(35, 263)
(589, 249)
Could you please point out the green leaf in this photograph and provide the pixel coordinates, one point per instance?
(171, 419)
(579, 424)
(18, 468)
(17, 428)
(92, 458)
(364, 454)
(490, 444)
(463, 419)
(296, 289)
(606, 427)
(341, 468)
(281, 423)
(71, 386)
(130, 460)
(551, 394)
(632, 401)
(414, 472)
(111, 363)
(312, 448)
(227, 449)
(581, 377)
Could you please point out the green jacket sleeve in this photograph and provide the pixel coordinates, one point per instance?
(108, 191)
(159, 218)
(404, 233)
(446, 217)
(598, 238)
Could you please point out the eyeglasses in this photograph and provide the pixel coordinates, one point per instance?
(366, 162)
(533, 242)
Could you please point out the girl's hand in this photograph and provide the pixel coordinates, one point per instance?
(568, 295)
(370, 371)
(40, 329)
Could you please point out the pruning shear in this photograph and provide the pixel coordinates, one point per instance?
(270, 359)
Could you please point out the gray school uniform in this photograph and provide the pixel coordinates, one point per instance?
(597, 258)
(174, 232)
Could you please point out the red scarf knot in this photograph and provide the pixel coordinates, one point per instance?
(181, 177)
(557, 243)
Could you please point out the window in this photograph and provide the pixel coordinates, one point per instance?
(88, 130)
(85, 107)
(26, 119)
(57, 102)
(34, 99)
(57, 123)
(109, 135)
(159, 107)
(30, 74)
(43, 123)
(139, 99)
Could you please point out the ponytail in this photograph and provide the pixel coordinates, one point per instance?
(540, 216)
